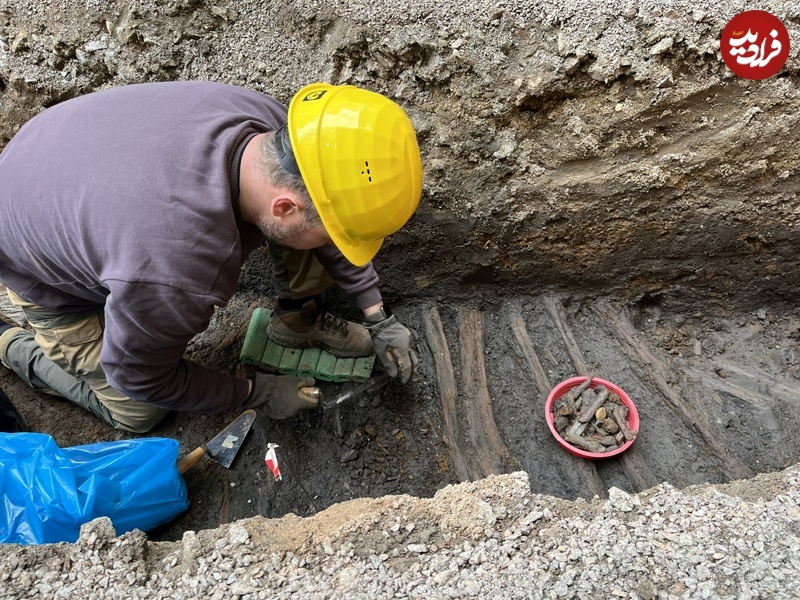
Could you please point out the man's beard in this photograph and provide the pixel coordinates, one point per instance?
(281, 234)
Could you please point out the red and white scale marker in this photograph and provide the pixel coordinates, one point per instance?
(272, 461)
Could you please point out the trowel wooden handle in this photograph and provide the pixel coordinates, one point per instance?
(190, 460)
(313, 394)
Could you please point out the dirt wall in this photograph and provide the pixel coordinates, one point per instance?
(566, 144)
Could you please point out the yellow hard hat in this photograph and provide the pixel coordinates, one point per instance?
(359, 158)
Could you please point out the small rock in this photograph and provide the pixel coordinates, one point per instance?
(238, 535)
(349, 456)
(95, 45)
(677, 589)
(662, 46)
(97, 532)
(20, 42)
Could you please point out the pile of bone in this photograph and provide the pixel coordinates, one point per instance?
(593, 419)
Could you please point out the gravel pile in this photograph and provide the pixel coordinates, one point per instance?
(488, 539)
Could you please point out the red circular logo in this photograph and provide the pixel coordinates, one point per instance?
(754, 44)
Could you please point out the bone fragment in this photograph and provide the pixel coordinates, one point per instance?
(564, 407)
(605, 440)
(609, 425)
(588, 410)
(620, 414)
(576, 392)
(583, 443)
(561, 423)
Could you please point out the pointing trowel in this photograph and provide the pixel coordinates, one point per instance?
(224, 447)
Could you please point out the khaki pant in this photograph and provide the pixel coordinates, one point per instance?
(63, 357)
(297, 273)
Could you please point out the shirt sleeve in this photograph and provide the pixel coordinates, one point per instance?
(359, 283)
(147, 330)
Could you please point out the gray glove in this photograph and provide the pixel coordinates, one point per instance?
(282, 396)
(392, 342)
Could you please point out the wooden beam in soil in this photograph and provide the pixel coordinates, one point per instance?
(778, 388)
(529, 354)
(658, 372)
(448, 392)
(491, 453)
(585, 470)
(556, 311)
(758, 402)
(540, 378)
(631, 461)
(225, 500)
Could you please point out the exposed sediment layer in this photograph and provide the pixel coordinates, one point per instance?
(567, 143)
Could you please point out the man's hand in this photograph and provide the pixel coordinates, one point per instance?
(281, 396)
(393, 346)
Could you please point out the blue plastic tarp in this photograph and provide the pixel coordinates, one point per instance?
(48, 492)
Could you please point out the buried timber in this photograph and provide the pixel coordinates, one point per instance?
(716, 398)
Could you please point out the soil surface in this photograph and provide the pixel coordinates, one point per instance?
(716, 394)
(602, 196)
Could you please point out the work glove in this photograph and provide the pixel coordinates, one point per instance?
(393, 342)
(282, 396)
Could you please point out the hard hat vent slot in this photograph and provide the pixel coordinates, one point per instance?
(366, 171)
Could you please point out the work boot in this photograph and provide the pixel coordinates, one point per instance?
(313, 326)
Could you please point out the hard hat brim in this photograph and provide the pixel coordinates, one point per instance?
(360, 254)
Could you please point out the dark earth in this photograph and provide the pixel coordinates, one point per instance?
(716, 395)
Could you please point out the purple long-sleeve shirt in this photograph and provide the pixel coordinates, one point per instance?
(127, 199)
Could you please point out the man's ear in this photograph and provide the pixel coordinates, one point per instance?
(283, 207)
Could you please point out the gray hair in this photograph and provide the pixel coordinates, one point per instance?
(271, 167)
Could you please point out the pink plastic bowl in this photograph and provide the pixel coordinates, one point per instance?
(564, 387)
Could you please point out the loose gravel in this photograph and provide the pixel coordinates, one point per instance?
(487, 539)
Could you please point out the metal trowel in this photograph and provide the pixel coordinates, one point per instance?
(373, 384)
(332, 404)
(224, 447)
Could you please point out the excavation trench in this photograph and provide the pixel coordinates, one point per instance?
(715, 392)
